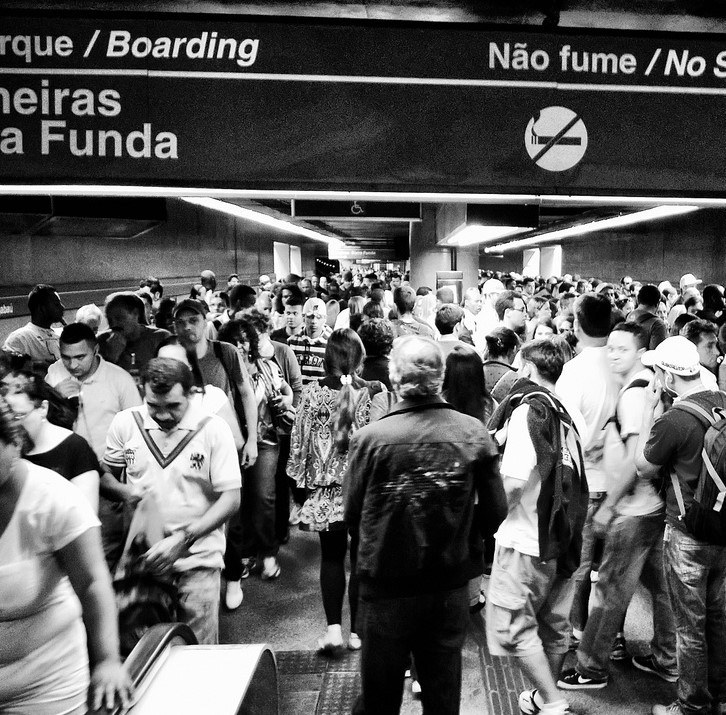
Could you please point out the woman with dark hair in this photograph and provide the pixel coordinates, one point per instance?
(53, 581)
(502, 347)
(329, 412)
(37, 407)
(464, 387)
(377, 336)
(714, 307)
(253, 537)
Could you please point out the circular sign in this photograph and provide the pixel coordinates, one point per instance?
(556, 138)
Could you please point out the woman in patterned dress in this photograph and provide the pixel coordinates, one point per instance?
(329, 412)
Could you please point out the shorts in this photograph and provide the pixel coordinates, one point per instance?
(528, 605)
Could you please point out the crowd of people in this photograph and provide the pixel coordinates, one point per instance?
(530, 450)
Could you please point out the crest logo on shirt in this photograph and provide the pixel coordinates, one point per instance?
(196, 460)
(130, 456)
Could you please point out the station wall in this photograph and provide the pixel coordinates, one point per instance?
(650, 252)
(86, 268)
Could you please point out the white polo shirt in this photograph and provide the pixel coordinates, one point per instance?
(102, 396)
(186, 488)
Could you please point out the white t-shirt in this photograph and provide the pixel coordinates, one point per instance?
(588, 385)
(37, 602)
(631, 404)
(39, 343)
(186, 488)
(520, 530)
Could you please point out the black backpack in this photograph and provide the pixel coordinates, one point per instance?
(705, 518)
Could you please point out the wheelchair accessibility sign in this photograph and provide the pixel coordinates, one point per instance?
(556, 138)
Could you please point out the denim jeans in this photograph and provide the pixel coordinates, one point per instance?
(696, 576)
(432, 626)
(251, 532)
(633, 552)
(578, 614)
(199, 603)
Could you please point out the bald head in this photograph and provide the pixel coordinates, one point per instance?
(416, 367)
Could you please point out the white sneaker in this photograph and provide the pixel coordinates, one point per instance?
(354, 642)
(332, 641)
(270, 568)
(415, 687)
(233, 595)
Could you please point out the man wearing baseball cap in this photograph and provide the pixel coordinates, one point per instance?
(694, 570)
(220, 366)
(309, 346)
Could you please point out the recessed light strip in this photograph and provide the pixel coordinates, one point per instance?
(259, 217)
(629, 219)
(181, 192)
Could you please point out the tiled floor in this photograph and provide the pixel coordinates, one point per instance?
(287, 614)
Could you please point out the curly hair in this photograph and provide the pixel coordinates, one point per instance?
(377, 336)
(238, 330)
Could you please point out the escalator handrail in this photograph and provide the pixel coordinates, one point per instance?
(152, 644)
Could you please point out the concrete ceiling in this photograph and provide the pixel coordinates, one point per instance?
(664, 15)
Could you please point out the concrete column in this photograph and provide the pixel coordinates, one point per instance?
(426, 257)
(467, 261)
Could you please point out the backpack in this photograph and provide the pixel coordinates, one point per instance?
(705, 519)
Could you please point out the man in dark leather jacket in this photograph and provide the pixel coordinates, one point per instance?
(412, 483)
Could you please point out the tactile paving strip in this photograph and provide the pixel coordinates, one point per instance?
(503, 682)
(293, 662)
(338, 694)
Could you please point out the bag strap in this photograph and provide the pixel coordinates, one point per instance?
(701, 414)
(163, 461)
(697, 411)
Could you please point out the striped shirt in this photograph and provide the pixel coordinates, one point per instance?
(309, 353)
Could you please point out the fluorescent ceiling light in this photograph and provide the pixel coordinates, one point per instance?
(263, 218)
(470, 235)
(429, 196)
(651, 214)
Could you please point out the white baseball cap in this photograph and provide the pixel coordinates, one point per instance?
(688, 279)
(492, 286)
(677, 355)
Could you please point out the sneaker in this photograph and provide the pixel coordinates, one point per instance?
(247, 566)
(270, 568)
(572, 680)
(415, 687)
(527, 705)
(647, 663)
(354, 642)
(331, 642)
(619, 651)
(233, 595)
(672, 709)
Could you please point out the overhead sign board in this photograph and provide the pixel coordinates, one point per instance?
(388, 211)
(307, 104)
(353, 253)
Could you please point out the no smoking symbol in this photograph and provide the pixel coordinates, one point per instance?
(556, 138)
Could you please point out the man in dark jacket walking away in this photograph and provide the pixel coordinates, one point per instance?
(410, 493)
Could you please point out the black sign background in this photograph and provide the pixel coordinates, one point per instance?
(370, 106)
